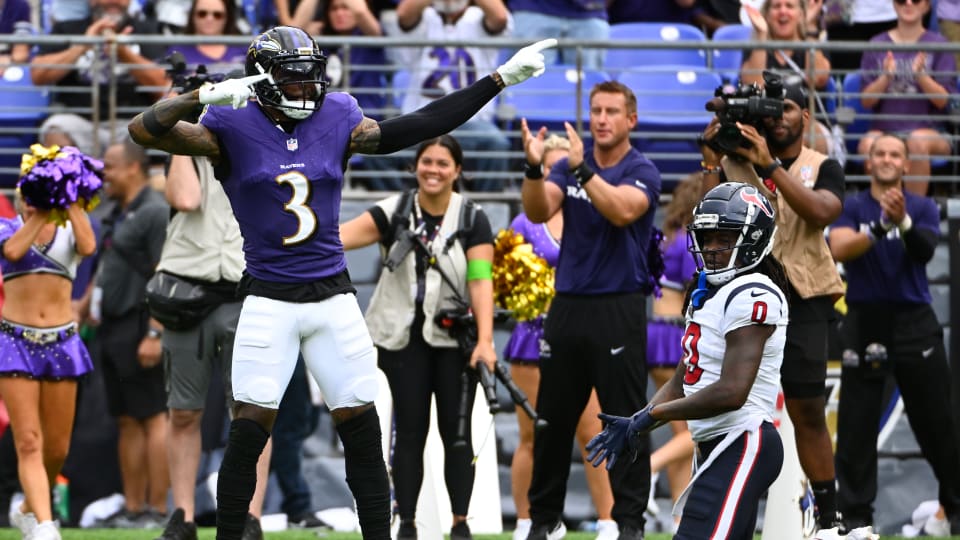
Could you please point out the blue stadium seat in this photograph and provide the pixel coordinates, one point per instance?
(22, 108)
(728, 61)
(671, 113)
(550, 99)
(619, 60)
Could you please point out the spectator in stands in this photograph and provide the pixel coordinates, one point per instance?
(131, 350)
(663, 11)
(67, 130)
(948, 19)
(212, 18)
(570, 19)
(108, 18)
(306, 14)
(885, 237)
(15, 20)
(447, 266)
(367, 77)
(666, 327)
(297, 419)
(855, 20)
(788, 20)
(41, 355)
(203, 247)
(523, 354)
(439, 70)
(908, 73)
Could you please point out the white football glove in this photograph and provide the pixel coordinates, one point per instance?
(526, 63)
(236, 92)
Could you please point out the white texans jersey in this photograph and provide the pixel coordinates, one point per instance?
(748, 299)
(438, 70)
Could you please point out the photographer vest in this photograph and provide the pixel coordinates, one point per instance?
(798, 245)
(392, 306)
(205, 244)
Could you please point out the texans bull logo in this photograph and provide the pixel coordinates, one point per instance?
(750, 196)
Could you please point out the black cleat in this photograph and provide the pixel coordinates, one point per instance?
(178, 529)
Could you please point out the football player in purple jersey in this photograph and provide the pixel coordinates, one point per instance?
(281, 161)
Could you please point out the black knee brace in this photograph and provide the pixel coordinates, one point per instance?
(238, 476)
(366, 473)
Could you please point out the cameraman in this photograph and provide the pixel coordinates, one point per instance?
(807, 188)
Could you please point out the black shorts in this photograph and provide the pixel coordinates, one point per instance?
(804, 370)
(130, 389)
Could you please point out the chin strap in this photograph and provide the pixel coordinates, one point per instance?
(700, 293)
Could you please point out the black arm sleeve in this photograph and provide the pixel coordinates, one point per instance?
(436, 118)
(920, 244)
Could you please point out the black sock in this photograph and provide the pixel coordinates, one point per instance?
(238, 476)
(825, 493)
(366, 473)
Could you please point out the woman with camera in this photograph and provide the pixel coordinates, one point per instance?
(440, 254)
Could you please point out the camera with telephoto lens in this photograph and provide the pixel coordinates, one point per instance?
(746, 104)
(185, 81)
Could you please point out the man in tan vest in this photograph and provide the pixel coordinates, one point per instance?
(808, 189)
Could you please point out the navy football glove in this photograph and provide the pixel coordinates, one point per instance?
(619, 433)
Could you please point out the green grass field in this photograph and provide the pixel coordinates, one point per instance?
(208, 534)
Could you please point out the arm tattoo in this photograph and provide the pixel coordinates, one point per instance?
(183, 138)
(365, 137)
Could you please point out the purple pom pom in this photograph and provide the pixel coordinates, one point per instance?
(57, 183)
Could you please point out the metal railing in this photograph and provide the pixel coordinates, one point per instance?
(669, 119)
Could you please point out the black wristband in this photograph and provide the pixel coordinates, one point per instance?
(766, 172)
(153, 126)
(583, 173)
(533, 172)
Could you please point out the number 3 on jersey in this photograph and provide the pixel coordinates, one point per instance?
(690, 354)
(298, 206)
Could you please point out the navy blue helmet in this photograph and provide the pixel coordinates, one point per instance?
(739, 207)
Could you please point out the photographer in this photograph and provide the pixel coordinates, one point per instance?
(450, 259)
(807, 188)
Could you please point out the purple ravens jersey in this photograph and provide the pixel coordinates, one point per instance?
(285, 187)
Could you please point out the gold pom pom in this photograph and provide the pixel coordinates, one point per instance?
(522, 281)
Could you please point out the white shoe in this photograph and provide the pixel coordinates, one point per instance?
(936, 527)
(652, 507)
(863, 533)
(607, 529)
(26, 522)
(46, 531)
(829, 534)
(522, 529)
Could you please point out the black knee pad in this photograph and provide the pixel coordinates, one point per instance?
(238, 476)
(367, 473)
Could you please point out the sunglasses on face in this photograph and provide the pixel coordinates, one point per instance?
(203, 14)
(903, 2)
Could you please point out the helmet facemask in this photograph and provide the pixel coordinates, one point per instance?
(296, 86)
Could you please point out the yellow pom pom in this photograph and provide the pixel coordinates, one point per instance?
(522, 281)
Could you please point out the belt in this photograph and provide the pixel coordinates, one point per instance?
(38, 337)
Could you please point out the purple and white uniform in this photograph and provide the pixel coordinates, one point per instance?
(524, 344)
(53, 353)
(285, 192)
(664, 333)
